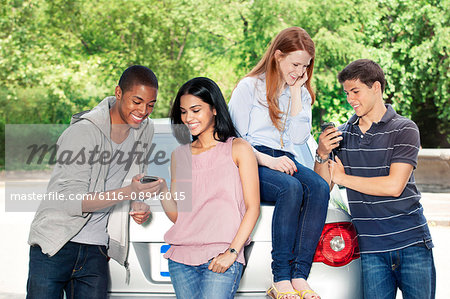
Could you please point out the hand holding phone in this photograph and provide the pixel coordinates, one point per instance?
(326, 125)
(148, 179)
(331, 143)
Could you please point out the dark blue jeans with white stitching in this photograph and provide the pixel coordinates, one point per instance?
(301, 203)
(79, 270)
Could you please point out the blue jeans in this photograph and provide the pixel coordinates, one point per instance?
(200, 282)
(301, 203)
(78, 269)
(410, 269)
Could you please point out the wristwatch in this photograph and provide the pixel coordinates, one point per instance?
(232, 250)
(319, 159)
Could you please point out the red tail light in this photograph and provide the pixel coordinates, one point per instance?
(338, 245)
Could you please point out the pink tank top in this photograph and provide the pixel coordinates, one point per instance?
(207, 224)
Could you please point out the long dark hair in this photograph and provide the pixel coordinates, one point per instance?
(209, 92)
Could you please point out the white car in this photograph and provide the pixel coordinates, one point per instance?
(335, 274)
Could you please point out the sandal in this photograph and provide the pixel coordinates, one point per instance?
(303, 293)
(279, 294)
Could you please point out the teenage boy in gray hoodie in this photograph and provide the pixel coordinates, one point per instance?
(71, 240)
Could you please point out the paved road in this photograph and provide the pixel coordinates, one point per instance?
(14, 227)
(436, 207)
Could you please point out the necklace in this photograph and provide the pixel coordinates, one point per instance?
(284, 123)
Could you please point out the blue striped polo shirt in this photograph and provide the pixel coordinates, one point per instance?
(384, 223)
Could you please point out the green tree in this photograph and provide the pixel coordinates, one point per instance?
(411, 41)
(61, 57)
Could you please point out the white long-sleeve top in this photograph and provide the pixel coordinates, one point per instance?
(250, 114)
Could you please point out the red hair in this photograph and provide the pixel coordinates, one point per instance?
(287, 41)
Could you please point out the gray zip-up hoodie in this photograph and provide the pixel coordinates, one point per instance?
(57, 222)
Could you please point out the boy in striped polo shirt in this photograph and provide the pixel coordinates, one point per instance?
(375, 155)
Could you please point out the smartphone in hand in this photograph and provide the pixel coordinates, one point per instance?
(148, 179)
(324, 126)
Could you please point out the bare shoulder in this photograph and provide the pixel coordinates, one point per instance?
(240, 145)
(242, 151)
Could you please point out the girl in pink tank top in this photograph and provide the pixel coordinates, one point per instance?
(217, 175)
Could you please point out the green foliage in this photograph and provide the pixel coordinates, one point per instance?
(414, 53)
(31, 147)
(63, 56)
